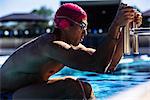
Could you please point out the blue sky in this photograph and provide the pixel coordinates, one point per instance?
(16, 6)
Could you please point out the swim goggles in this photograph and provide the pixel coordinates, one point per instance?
(82, 24)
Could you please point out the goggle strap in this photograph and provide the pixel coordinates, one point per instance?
(68, 19)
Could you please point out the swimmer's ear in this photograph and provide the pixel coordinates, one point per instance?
(63, 24)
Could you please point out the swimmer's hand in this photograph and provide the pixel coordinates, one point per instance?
(79, 47)
(138, 18)
(124, 16)
(127, 14)
(62, 44)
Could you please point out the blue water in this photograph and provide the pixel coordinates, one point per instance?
(130, 72)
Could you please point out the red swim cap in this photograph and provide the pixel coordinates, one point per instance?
(71, 11)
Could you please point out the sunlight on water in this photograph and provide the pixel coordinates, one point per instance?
(145, 57)
(127, 60)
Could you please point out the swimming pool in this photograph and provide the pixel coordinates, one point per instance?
(130, 72)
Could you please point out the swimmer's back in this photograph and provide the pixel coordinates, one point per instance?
(24, 64)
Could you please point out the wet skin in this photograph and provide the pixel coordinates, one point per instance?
(35, 61)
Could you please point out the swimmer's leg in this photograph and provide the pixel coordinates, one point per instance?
(64, 88)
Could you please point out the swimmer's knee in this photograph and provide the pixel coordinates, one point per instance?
(87, 89)
(74, 88)
(70, 79)
(83, 88)
(73, 80)
(66, 78)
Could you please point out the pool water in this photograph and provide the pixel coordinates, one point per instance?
(130, 72)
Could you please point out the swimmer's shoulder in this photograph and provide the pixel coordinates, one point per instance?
(42, 39)
(47, 36)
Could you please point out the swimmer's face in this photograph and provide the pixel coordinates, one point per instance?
(77, 33)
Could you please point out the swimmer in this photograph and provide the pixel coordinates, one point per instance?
(25, 73)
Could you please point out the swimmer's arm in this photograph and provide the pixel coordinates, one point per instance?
(117, 56)
(83, 59)
(78, 58)
(106, 50)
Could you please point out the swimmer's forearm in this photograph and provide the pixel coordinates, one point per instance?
(117, 56)
(105, 52)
